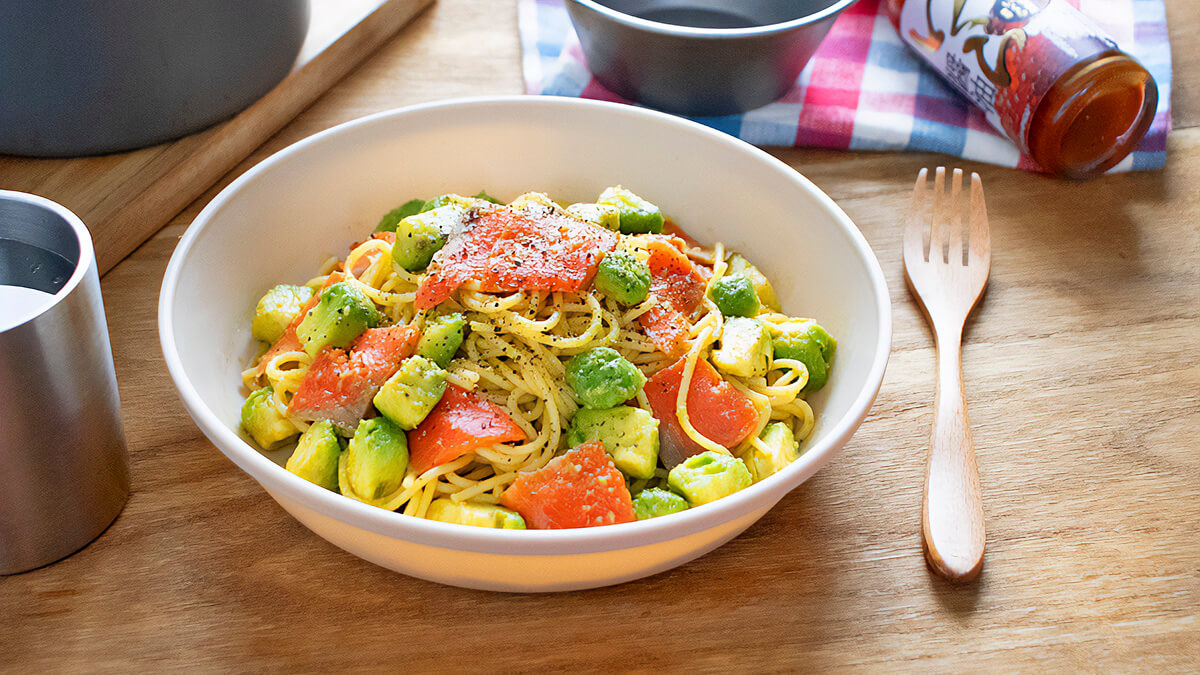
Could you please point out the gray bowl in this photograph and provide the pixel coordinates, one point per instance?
(92, 76)
(701, 57)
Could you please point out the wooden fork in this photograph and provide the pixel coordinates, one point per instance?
(947, 282)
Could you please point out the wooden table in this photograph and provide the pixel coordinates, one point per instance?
(1084, 383)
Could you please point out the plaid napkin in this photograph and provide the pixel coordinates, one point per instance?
(864, 89)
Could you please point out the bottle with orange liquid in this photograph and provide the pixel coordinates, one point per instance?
(1044, 74)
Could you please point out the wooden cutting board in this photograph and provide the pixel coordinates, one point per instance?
(124, 198)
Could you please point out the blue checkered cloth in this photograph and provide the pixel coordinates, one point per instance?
(865, 90)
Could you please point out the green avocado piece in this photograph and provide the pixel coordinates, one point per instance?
(735, 296)
(535, 202)
(266, 425)
(420, 236)
(446, 510)
(824, 340)
(809, 343)
(808, 353)
(623, 277)
(637, 216)
(315, 458)
(602, 378)
(709, 476)
(372, 468)
(441, 339)
(341, 314)
(392, 218)
(745, 348)
(452, 199)
(782, 449)
(604, 215)
(739, 266)
(276, 310)
(630, 435)
(655, 502)
(408, 395)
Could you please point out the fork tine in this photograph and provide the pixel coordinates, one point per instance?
(937, 236)
(980, 245)
(954, 253)
(914, 227)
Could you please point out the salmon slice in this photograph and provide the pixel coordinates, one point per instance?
(581, 488)
(504, 250)
(715, 408)
(461, 423)
(678, 289)
(340, 385)
(369, 259)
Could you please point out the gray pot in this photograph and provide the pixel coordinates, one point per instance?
(82, 77)
(701, 57)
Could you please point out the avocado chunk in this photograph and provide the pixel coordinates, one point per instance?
(745, 348)
(408, 395)
(441, 338)
(266, 425)
(655, 502)
(739, 266)
(392, 218)
(623, 277)
(276, 310)
(734, 296)
(528, 200)
(807, 342)
(602, 378)
(420, 236)
(486, 197)
(372, 468)
(709, 476)
(316, 456)
(604, 215)
(341, 314)
(447, 510)
(637, 216)
(630, 435)
(782, 449)
(452, 199)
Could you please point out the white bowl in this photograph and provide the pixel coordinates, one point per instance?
(283, 217)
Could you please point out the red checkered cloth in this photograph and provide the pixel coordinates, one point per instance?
(864, 89)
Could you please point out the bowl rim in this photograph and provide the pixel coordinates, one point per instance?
(280, 482)
(670, 29)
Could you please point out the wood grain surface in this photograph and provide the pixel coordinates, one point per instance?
(126, 197)
(1083, 377)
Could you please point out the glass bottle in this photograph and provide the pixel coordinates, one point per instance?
(1044, 74)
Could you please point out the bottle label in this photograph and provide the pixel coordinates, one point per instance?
(1003, 55)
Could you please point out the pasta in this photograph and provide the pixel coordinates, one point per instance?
(519, 344)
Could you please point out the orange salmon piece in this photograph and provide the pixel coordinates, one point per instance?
(369, 259)
(582, 488)
(678, 288)
(505, 250)
(715, 408)
(460, 423)
(340, 385)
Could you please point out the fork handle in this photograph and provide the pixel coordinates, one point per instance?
(952, 511)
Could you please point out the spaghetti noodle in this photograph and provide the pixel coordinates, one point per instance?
(515, 355)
